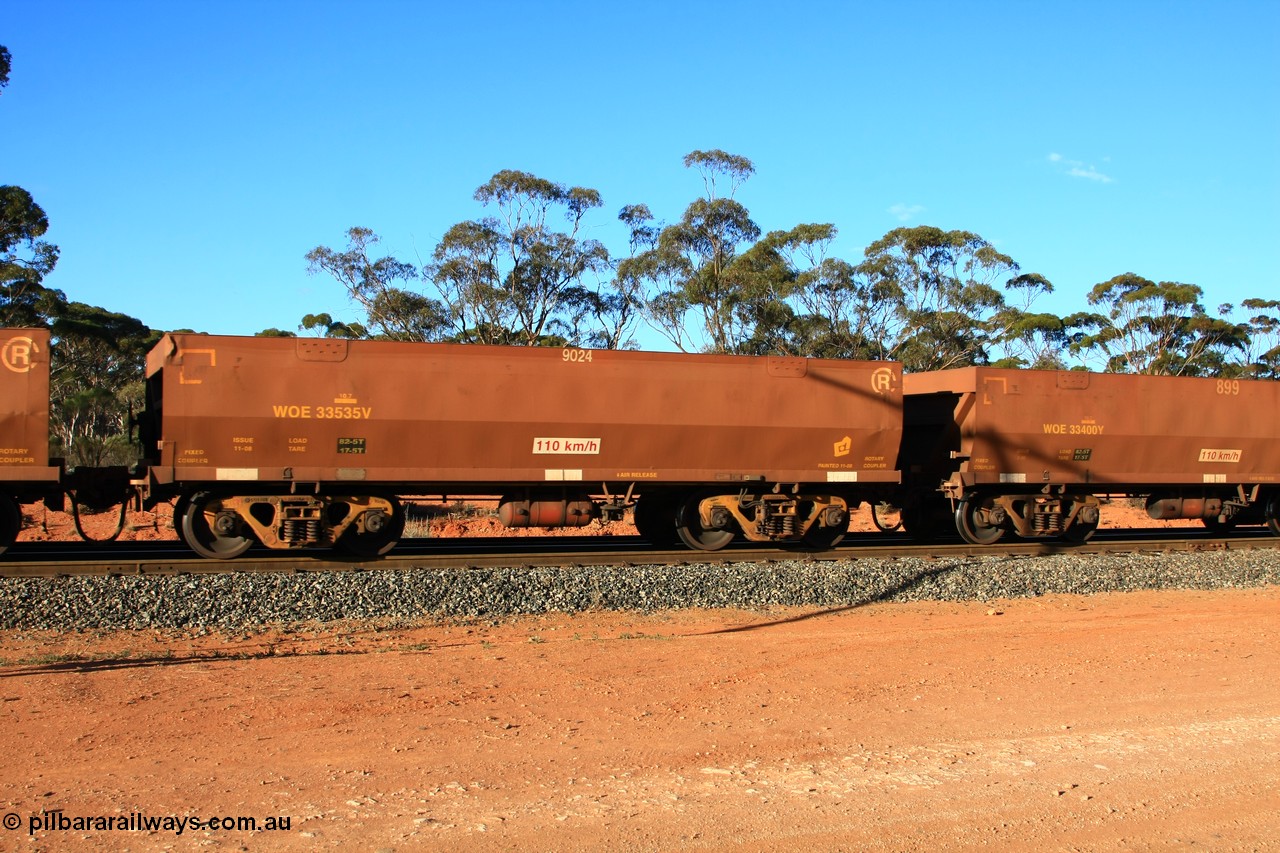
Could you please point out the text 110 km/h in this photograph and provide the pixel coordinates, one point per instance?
(546, 445)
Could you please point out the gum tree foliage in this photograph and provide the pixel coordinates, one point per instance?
(689, 263)
(392, 311)
(715, 284)
(324, 325)
(512, 278)
(96, 382)
(1259, 357)
(609, 311)
(1161, 329)
(843, 314)
(1026, 338)
(778, 278)
(939, 303)
(932, 298)
(509, 278)
(25, 259)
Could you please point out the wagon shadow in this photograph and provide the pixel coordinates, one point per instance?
(110, 664)
(250, 651)
(887, 594)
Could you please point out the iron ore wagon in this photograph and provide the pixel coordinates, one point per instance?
(26, 473)
(1030, 451)
(305, 442)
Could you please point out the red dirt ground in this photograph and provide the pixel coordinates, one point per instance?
(1140, 721)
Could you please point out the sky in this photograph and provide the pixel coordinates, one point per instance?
(190, 154)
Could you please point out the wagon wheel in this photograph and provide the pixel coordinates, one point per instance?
(10, 522)
(1273, 516)
(382, 532)
(1080, 531)
(691, 532)
(972, 524)
(179, 510)
(655, 520)
(826, 538)
(210, 530)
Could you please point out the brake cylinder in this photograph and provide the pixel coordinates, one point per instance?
(1166, 508)
(544, 513)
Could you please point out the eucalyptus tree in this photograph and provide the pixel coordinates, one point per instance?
(785, 295)
(326, 326)
(941, 295)
(1023, 337)
(689, 263)
(609, 311)
(841, 314)
(512, 278)
(96, 382)
(1259, 357)
(1155, 328)
(25, 259)
(1036, 340)
(392, 311)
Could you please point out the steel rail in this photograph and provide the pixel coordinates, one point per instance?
(68, 559)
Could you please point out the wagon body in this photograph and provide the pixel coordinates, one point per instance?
(701, 447)
(1072, 427)
(24, 409)
(324, 410)
(1195, 447)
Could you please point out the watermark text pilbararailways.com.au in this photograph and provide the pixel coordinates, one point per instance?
(56, 820)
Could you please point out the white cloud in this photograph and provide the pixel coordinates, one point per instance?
(903, 212)
(1080, 169)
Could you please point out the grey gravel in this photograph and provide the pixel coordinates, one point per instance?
(240, 601)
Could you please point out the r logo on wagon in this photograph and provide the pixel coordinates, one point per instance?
(882, 380)
(17, 354)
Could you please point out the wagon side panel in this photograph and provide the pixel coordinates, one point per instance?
(1084, 428)
(323, 410)
(24, 406)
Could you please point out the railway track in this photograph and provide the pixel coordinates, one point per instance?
(59, 559)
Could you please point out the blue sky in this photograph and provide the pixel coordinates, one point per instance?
(189, 154)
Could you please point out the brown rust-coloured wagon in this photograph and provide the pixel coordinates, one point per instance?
(25, 469)
(299, 442)
(1030, 451)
